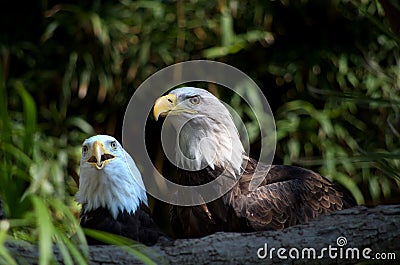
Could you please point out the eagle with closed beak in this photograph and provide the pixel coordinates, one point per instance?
(287, 195)
(112, 192)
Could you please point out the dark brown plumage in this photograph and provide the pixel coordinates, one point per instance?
(112, 194)
(138, 226)
(208, 147)
(287, 196)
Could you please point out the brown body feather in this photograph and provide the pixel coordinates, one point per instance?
(286, 196)
(138, 226)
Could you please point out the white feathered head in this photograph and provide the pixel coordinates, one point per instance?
(109, 177)
(207, 135)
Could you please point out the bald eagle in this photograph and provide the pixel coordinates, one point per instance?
(287, 195)
(112, 193)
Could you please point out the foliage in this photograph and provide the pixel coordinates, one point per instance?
(350, 125)
(32, 184)
(140, 251)
(330, 70)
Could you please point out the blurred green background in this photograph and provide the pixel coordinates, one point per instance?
(329, 69)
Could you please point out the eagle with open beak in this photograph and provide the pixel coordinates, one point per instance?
(112, 192)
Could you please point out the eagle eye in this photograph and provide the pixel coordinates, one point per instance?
(84, 149)
(114, 145)
(194, 100)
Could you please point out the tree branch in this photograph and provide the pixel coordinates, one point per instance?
(377, 228)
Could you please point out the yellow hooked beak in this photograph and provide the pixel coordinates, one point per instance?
(99, 157)
(164, 105)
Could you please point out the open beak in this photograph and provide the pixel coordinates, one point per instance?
(99, 157)
(164, 105)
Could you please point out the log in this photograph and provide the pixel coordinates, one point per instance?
(366, 231)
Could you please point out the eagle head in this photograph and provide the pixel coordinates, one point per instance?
(109, 177)
(206, 133)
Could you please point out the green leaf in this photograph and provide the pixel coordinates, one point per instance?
(350, 185)
(45, 229)
(216, 52)
(5, 257)
(69, 250)
(130, 246)
(18, 154)
(49, 31)
(227, 32)
(30, 116)
(64, 251)
(99, 29)
(70, 220)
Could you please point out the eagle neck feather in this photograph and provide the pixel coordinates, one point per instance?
(206, 142)
(116, 190)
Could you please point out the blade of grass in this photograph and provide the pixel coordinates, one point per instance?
(76, 254)
(70, 220)
(128, 245)
(46, 230)
(69, 250)
(18, 154)
(5, 257)
(67, 259)
(350, 185)
(30, 116)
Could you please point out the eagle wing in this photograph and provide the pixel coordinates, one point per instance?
(287, 196)
(282, 196)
